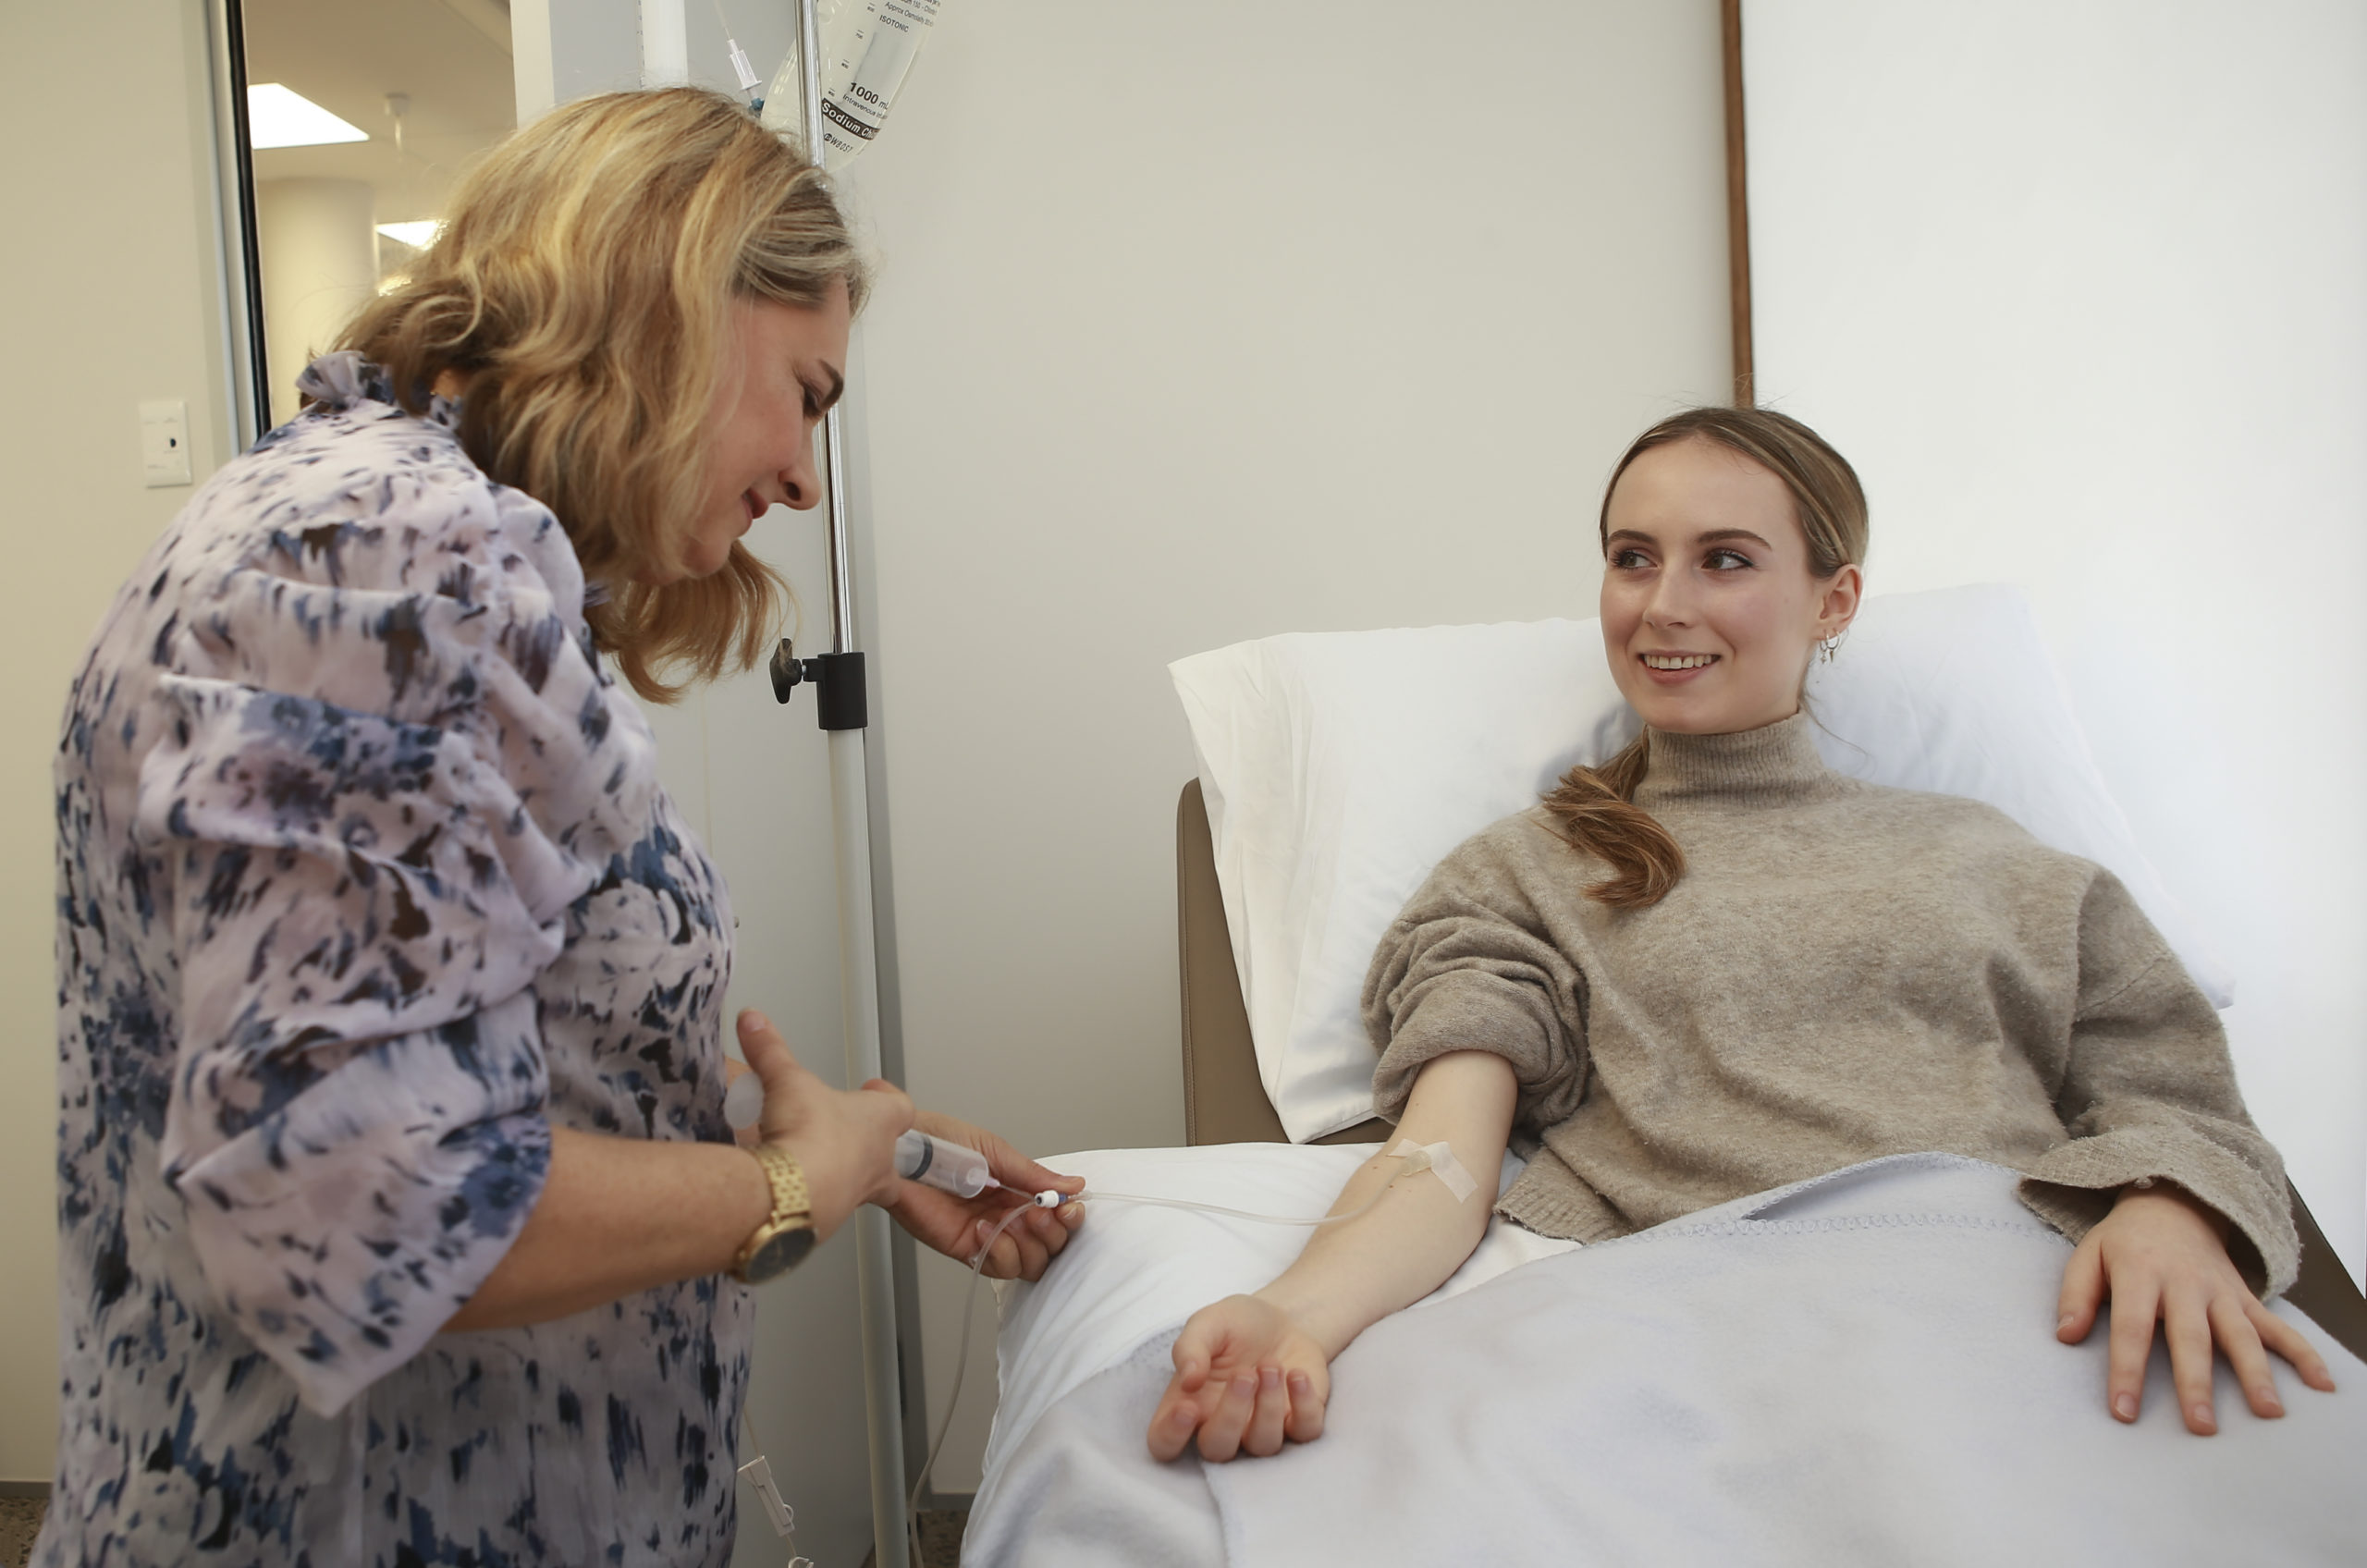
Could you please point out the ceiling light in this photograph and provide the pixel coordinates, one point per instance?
(276, 117)
(418, 235)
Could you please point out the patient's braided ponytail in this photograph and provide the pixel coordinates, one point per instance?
(1595, 807)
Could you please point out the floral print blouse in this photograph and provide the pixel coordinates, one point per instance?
(366, 882)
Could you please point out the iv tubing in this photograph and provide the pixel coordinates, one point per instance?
(1090, 1194)
(961, 1366)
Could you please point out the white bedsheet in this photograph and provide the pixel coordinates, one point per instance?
(1858, 1369)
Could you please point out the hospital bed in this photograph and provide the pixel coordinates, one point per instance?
(1753, 1385)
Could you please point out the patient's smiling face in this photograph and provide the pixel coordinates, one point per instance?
(1709, 612)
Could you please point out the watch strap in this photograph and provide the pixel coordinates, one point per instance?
(793, 1202)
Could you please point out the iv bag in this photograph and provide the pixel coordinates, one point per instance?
(867, 48)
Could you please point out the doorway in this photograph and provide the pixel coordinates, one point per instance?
(360, 117)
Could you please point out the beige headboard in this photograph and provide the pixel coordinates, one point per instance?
(1224, 1102)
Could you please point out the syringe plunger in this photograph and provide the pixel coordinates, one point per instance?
(743, 1102)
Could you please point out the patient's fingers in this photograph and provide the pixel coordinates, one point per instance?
(2186, 1329)
(1264, 1434)
(2133, 1311)
(2083, 1291)
(2241, 1342)
(1171, 1427)
(1231, 1362)
(1221, 1433)
(1195, 1351)
(2286, 1340)
(1307, 1409)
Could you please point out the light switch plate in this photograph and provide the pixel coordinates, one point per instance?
(164, 442)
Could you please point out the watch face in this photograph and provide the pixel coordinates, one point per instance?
(779, 1255)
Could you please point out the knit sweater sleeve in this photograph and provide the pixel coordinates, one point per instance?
(1468, 966)
(2148, 1093)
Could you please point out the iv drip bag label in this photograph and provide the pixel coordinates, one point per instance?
(868, 47)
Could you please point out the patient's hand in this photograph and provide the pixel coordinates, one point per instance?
(2160, 1255)
(1246, 1376)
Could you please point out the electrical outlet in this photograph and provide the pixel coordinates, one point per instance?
(164, 442)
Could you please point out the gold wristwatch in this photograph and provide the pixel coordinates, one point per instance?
(786, 1234)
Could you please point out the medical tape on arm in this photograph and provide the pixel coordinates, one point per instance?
(1439, 1160)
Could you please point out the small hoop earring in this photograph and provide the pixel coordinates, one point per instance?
(1830, 646)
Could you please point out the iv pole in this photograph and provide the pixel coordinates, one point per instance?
(840, 688)
(843, 707)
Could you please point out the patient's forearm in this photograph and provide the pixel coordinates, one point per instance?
(1356, 1272)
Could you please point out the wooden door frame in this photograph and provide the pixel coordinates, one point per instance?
(1737, 203)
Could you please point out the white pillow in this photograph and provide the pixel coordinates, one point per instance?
(1340, 767)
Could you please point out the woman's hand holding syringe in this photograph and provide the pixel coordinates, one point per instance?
(959, 1226)
(866, 1147)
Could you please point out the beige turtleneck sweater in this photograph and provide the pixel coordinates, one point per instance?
(1843, 972)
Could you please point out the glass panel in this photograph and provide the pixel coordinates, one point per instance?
(360, 113)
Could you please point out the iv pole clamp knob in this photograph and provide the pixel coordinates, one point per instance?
(840, 694)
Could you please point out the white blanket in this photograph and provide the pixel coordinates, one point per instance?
(1136, 1269)
(1858, 1369)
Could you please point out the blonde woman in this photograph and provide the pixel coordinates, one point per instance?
(1714, 967)
(400, 1213)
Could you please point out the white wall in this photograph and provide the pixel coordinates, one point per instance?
(2082, 291)
(111, 297)
(1199, 323)
(319, 260)
(562, 50)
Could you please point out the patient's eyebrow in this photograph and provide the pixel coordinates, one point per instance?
(1714, 536)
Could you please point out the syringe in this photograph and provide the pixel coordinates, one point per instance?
(948, 1167)
(932, 1161)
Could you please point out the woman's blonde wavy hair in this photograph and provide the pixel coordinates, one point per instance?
(1595, 808)
(582, 285)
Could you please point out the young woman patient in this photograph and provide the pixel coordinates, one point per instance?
(1714, 966)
